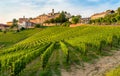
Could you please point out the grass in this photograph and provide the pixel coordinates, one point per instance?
(114, 72)
(11, 38)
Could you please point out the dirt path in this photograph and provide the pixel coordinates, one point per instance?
(97, 69)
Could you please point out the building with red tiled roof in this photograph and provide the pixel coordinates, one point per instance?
(42, 18)
(3, 27)
(101, 15)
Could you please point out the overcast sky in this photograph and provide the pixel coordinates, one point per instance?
(10, 9)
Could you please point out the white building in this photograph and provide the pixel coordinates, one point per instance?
(25, 23)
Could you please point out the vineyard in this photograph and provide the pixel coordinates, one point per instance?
(55, 48)
(114, 72)
(10, 38)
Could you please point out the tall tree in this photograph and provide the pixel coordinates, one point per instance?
(118, 10)
(62, 17)
(75, 19)
(15, 24)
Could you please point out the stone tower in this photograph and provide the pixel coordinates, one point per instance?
(52, 11)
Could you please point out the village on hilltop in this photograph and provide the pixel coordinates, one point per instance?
(49, 20)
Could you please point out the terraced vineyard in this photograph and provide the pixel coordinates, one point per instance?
(11, 38)
(56, 48)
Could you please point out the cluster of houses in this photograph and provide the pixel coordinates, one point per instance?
(30, 22)
(42, 18)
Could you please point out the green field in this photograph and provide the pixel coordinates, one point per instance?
(46, 52)
(12, 37)
(114, 72)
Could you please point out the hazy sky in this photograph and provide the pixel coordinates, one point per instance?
(10, 9)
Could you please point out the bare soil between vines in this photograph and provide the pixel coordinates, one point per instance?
(98, 68)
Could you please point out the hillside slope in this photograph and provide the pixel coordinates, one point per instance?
(55, 48)
(11, 38)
